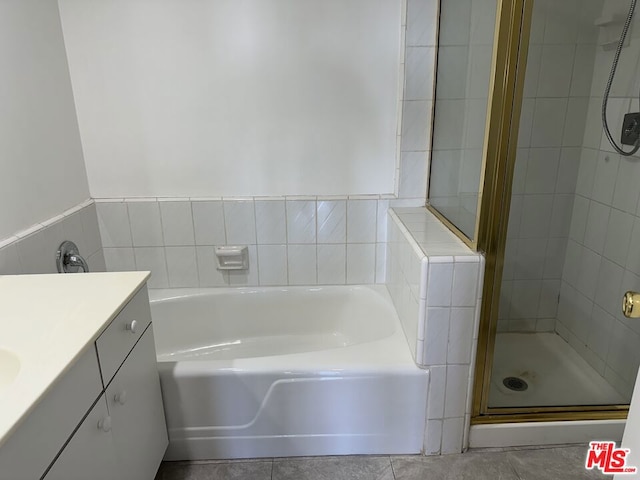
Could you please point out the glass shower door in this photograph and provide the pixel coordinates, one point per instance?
(465, 49)
(573, 239)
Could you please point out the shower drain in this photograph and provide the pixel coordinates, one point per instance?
(515, 384)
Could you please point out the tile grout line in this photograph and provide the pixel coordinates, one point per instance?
(195, 246)
(346, 242)
(393, 472)
(164, 243)
(513, 468)
(286, 239)
(255, 239)
(133, 248)
(315, 220)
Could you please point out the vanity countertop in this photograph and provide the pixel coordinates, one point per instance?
(47, 322)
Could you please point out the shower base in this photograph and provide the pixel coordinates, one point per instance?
(554, 372)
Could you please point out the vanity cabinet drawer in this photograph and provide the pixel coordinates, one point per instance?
(121, 335)
(33, 446)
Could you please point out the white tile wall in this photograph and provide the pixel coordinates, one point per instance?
(293, 241)
(240, 222)
(361, 263)
(182, 267)
(303, 265)
(272, 264)
(177, 223)
(419, 73)
(415, 102)
(241, 278)
(437, 296)
(115, 229)
(208, 274)
(120, 259)
(549, 168)
(436, 334)
(332, 221)
(154, 260)
(208, 223)
(35, 247)
(9, 262)
(422, 22)
(361, 221)
(548, 122)
(301, 221)
(601, 260)
(34, 250)
(271, 222)
(331, 264)
(146, 226)
(415, 125)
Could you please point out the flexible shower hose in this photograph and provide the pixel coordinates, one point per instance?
(607, 90)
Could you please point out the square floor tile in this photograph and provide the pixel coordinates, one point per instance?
(472, 466)
(565, 463)
(249, 470)
(333, 468)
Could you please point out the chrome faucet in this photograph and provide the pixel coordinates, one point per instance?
(68, 257)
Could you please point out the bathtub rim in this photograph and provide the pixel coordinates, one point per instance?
(160, 294)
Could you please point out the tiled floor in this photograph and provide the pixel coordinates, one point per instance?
(562, 463)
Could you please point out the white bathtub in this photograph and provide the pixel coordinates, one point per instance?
(286, 371)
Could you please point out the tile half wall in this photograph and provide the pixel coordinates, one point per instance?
(435, 282)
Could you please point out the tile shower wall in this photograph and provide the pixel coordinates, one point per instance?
(552, 124)
(34, 249)
(415, 96)
(602, 258)
(435, 282)
(292, 241)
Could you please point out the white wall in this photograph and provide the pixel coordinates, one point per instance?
(43, 173)
(220, 97)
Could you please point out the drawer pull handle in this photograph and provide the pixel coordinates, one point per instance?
(105, 424)
(132, 326)
(121, 397)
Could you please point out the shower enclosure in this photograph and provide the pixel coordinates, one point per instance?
(540, 189)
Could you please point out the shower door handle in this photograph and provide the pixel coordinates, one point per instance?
(631, 305)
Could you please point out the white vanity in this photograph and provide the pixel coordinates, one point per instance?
(79, 390)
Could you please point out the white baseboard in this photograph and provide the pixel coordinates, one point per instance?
(544, 433)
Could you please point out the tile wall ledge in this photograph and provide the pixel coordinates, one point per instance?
(431, 237)
(37, 227)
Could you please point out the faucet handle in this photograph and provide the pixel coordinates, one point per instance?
(68, 256)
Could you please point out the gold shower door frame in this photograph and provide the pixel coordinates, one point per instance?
(513, 26)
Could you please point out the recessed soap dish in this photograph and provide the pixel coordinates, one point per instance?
(232, 257)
